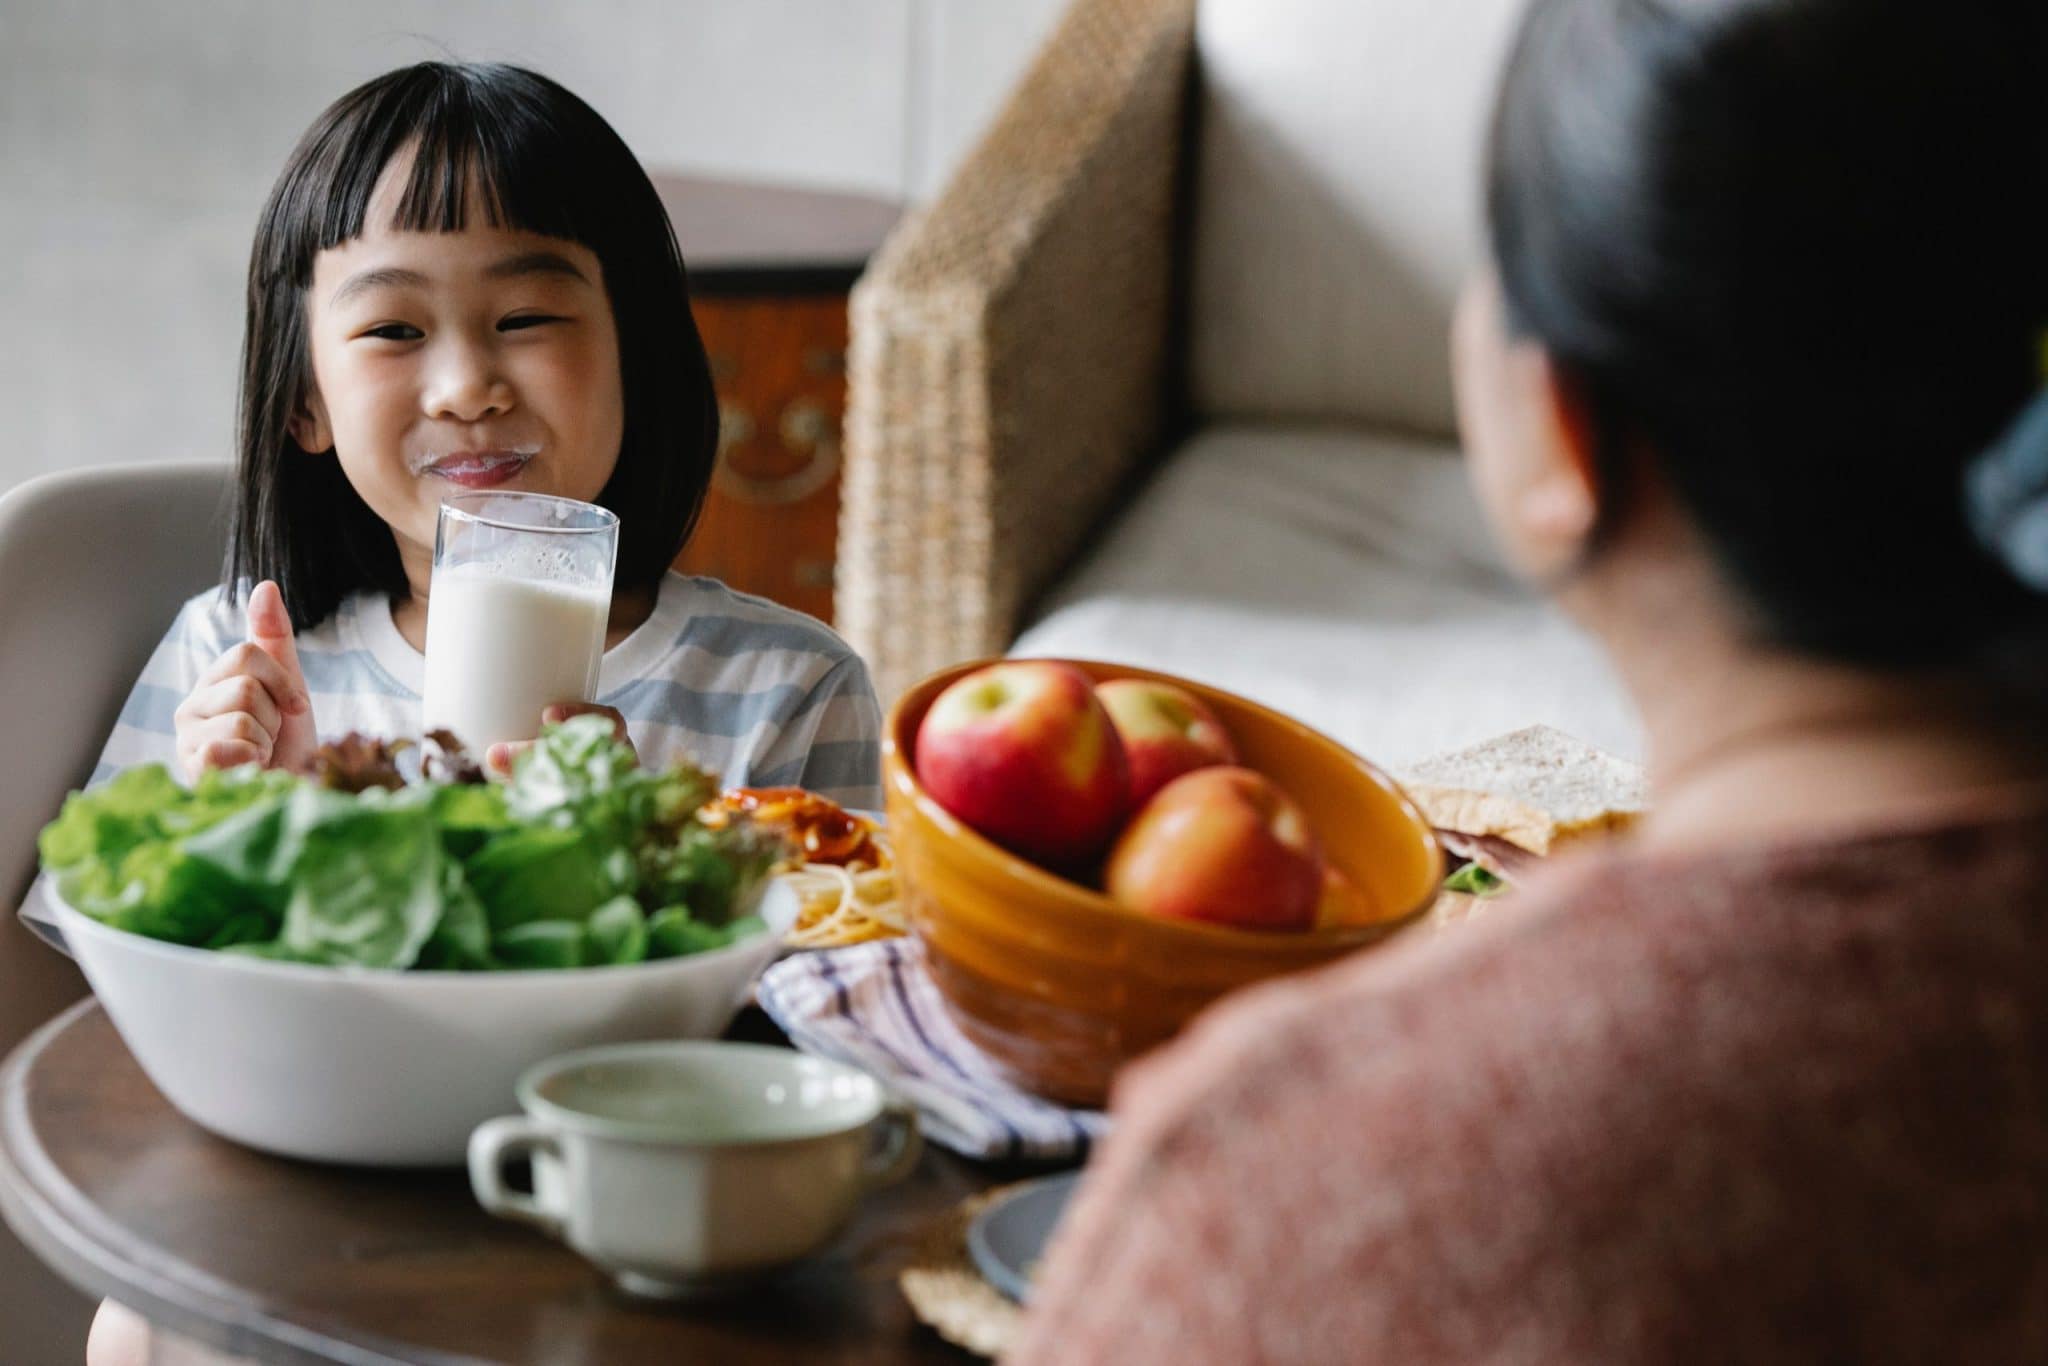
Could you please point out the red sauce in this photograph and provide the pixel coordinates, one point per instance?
(823, 829)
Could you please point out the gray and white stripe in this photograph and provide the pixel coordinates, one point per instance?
(764, 695)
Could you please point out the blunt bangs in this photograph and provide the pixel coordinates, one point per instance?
(484, 138)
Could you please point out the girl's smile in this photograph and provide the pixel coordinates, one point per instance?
(483, 468)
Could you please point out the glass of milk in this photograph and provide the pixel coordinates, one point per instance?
(516, 613)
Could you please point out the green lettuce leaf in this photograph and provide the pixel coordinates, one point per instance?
(461, 941)
(469, 814)
(673, 932)
(157, 890)
(103, 823)
(1475, 881)
(111, 850)
(582, 858)
(243, 927)
(257, 847)
(541, 944)
(578, 776)
(365, 887)
(546, 873)
(711, 872)
(616, 933)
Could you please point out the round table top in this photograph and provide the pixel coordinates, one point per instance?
(293, 1261)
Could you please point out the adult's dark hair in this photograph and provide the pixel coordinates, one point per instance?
(539, 160)
(1779, 249)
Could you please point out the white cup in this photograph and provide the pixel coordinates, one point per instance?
(516, 612)
(684, 1167)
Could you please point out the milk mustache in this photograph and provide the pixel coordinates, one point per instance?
(500, 648)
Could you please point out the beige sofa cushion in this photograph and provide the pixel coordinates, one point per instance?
(1337, 202)
(1341, 576)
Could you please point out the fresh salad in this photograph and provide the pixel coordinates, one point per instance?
(581, 858)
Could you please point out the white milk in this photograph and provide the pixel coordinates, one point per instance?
(499, 649)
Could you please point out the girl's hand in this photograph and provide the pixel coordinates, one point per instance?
(498, 758)
(252, 706)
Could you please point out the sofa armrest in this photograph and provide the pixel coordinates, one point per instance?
(1007, 363)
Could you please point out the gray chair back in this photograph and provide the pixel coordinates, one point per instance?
(93, 565)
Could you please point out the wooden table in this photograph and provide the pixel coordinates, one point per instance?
(289, 1261)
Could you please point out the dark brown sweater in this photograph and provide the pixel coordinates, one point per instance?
(1780, 1105)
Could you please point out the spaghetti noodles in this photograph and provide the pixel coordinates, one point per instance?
(843, 875)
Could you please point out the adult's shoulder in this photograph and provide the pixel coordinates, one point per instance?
(1301, 1031)
(1381, 1051)
(1584, 1116)
(1621, 982)
(1315, 1137)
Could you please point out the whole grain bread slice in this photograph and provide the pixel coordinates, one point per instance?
(1536, 788)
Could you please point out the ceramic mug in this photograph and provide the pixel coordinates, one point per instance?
(680, 1167)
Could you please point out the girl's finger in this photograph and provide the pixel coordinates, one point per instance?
(240, 694)
(557, 712)
(498, 758)
(228, 754)
(249, 660)
(241, 727)
(225, 741)
(270, 630)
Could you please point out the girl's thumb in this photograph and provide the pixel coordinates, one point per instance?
(270, 628)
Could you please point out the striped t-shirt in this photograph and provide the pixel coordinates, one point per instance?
(764, 695)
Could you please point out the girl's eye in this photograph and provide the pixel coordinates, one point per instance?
(526, 320)
(395, 332)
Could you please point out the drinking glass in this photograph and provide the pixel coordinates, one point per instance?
(516, 613)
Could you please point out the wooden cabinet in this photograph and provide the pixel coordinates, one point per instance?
(770, 269)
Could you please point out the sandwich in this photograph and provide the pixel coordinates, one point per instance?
(1511, 801)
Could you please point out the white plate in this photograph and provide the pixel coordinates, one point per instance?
(1008, 1238)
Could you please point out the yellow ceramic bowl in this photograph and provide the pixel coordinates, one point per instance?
(1060, 985)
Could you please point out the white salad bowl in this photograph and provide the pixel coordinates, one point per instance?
(376, 1067)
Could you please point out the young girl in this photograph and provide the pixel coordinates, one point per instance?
(463, 280)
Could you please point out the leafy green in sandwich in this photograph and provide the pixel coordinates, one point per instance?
(1473, 880)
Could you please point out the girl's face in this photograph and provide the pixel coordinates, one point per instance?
(442, 362)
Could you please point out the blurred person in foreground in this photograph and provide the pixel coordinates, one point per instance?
(1754, 384)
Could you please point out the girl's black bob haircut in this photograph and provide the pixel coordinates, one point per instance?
(534, 158)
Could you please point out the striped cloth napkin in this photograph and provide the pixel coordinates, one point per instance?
(875, 1006)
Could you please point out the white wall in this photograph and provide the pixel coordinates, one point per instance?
(137, 140)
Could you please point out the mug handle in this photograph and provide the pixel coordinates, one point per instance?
(494, 1141)
(902, 1144)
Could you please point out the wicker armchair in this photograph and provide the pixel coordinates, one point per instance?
(1221, 252)
(978, 457)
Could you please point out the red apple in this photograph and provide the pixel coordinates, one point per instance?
(1024, 753)
(1167, 731)
(1223, 845)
